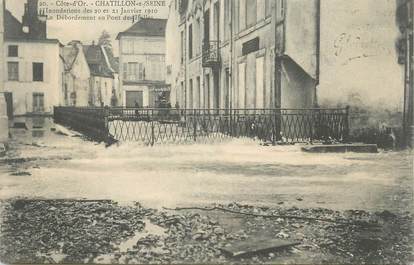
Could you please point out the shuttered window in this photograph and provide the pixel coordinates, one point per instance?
(13, 71)
(38, 72)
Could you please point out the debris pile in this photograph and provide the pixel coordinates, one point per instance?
(106, 232)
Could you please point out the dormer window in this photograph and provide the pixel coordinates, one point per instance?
(25, 29)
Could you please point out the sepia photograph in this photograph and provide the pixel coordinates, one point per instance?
(206, 132)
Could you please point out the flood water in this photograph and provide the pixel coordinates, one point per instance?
(46, 163)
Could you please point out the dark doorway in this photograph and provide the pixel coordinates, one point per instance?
(207, 92)
(9, 102)
(133, 97)
(227, 89)
(216, 96)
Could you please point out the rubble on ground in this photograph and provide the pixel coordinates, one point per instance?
(66, 231)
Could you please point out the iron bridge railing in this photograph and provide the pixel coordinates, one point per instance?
(152, 126)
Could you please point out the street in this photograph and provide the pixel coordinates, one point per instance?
(54, 164)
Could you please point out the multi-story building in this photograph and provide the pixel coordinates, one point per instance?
(405, 21)
(91, 75)
(142, 63)
(103, 81)
(243, 54)
(4, 124)
(76, 80)
(33, 64)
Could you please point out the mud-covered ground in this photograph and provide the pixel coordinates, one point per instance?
(66, 231)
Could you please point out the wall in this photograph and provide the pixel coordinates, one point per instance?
(143, 88)
(77, 80)
(301, 34)
(173, 52)
(97, 86)
(253, 97)
(358, 55)
(256, 88)
(298, 88)
(359, 63)
(29, 52)
(4, 127)
(146, 50)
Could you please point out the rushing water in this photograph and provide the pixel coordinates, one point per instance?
(61, 166)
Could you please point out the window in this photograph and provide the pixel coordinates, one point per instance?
(66, 91)
(207, 92)
(241, 86)
(135, 72)
(13, 51)
(38, 72)
(280, 7)
(190, 96)
(198, 37)
(227, 18)
(216, 21)
(190, 41)
(207, 26)
(128, 47)
(251, 12)
(13, 71)
(250, 46)
(125, 71)
(259, 82)
(182, 47)
(132, 71)
(38, 102)
(242, 14)
(182, 94)
(268, 8)
(198, 94)
(136, 46)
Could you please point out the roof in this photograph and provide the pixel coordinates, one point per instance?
(70, 53)
(113, 61)
(95, 56)
(150, 27)
(13, 31)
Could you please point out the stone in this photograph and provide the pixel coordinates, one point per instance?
(219, 231)
(341, 148)
(256, 246)
(282, 235)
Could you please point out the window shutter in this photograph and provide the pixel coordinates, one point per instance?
(125, 71)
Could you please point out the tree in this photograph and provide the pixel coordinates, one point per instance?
(105, 39)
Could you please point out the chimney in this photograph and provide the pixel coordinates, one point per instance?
(34, 24)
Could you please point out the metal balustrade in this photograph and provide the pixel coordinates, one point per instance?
(211, 55)
(153, 126)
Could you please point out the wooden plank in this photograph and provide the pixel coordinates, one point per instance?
(256, 246)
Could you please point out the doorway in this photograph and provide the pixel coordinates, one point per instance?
(133, 98)
(9, 103)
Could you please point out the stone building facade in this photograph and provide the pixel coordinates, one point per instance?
(243, 54)
(33, 67)
(142, 63)
(405, 22)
